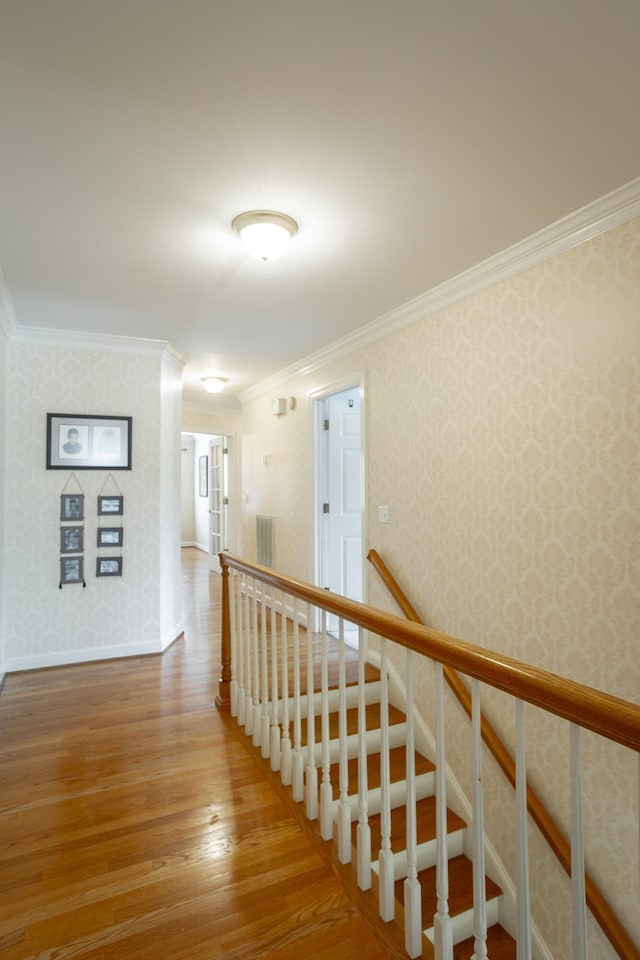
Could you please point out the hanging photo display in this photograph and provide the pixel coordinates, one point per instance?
(72, 534)
(111, 535)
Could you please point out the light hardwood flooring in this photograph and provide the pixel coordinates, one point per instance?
(134, 822)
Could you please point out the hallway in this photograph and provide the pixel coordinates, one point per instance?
(135, 825)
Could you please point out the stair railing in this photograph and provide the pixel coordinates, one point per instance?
(247, 587)
(595, 899)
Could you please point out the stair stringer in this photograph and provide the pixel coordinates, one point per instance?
(459, 803)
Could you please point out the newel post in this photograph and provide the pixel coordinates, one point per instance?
(223, 698)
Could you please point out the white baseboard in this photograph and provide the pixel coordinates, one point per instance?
(60, 658)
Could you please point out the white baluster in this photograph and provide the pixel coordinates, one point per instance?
(255, 633)
(442, 927)
(242, 694)
(412, 889)
(248, 699)
(311, 778)
(363, 833)
(275, 725)
(479, 899)
(522, 886)
(386, 896)
(285, 751)
(578, 902)
(326, 793)
(344, 811)
(233, 628)
(265, 741)
(298, 759)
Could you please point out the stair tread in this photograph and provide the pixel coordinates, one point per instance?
(372, 721)
(460, 889)
(500, 946)
(425, 822)
(397, 767)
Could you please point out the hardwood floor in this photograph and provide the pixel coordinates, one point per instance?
(134, 823)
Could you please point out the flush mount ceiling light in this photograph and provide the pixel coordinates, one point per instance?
(264, 233)
(214, 384)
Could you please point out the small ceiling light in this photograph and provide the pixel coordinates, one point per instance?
(214, 384)
(264, 233)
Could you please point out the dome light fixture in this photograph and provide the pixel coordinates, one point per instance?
(265, 234)
(214, 384)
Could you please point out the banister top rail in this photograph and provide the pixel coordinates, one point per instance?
(609, 716)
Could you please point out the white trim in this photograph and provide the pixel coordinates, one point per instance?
(610, 211)
(81, 340)
(61, 658)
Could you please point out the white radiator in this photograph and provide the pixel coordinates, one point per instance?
(266, 541)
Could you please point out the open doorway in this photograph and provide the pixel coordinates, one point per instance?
(207, 470)
(339, 495)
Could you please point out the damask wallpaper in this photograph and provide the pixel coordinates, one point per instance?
(44, 624)
(503, 433)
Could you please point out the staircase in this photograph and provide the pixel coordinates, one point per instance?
(500, 946)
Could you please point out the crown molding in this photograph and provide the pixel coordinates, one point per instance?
(81, 340)
(590, 221)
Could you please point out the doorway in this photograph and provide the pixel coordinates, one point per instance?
(339, 495)
(207, 501)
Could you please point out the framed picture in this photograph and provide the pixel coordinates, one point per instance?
(76, 441)
(72, 506)
(109, 567)
(71, 570)
(203, 476)
(110, 506)
(110, 536)
(71, 539)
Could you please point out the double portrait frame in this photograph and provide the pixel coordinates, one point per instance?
(82, 442)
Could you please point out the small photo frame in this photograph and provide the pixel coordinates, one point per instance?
(203, 476)
(72, 506)
(71, 539)
(109, 567)
(79, 441)
(110, 536)
(71, 570)
(110, 506)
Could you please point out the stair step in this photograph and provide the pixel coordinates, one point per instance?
(460, 895)
(500, 946)
(397, 767)
(372, 721)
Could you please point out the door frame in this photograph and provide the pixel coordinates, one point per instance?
(316, 398)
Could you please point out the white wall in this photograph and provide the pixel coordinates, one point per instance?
(503, 433)
(113, 616)
(188, 524)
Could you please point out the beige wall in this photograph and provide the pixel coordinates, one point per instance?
(503, 432)
(139, 612)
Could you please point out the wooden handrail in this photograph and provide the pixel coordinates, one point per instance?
(600, 908)
(609, 716)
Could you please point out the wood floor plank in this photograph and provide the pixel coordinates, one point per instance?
(135, 825)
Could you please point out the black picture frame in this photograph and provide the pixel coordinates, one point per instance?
(203, 476)
(110, 506)
(71, 570)
(110, 536)
(71, 539)
(109, 567)
(78, 441)
(72, 506)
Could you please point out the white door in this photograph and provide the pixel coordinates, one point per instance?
(218, 501)
(340, 486)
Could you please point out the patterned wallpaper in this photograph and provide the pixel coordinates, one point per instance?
(3, 406)
(503, 432)
(112, 616)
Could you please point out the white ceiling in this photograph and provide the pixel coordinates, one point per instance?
(409, 139)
